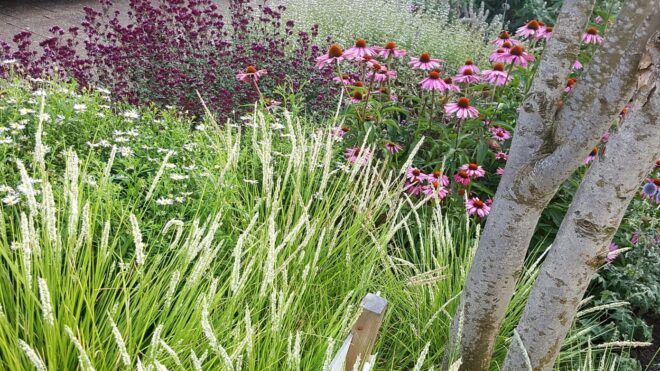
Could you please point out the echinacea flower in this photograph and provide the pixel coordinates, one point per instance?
(414, 175)
(498, 55)
(504, 37)
(496, 76)
(462, 109)
(381, 73)
(433, 82)
(475, 206)
(392, 147)
(530, 29)
(598, 19)
(359, 50)
(499, 133)
(343, 79)
(546, 33)
(438, 176)
(251, 74)
(612, 252)
(569, 85)
(462, 177)
(424, 62)
(577, 65)
(413, 188)
(356, 97)
(592, 156)
(272, 103)
(499, 171)
(518, 56)
(335, 54)
(473, 170)
(340, 131)
(356, 153)
(390, 50)
(605, 137)
(467, 76)
(501, 156)
(435, 190)
(450, 85)
(592, 36)
(469, 64)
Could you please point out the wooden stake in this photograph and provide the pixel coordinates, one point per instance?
(365, 330)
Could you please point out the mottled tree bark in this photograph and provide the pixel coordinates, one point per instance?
(549, 144)
(580, 247)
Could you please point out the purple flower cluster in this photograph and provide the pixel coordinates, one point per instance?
(170, 50)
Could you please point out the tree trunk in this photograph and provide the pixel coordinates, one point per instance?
(594, 216)
(549, 144)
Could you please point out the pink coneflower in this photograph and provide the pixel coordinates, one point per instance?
(435, 190)
(499, 133)
(498, 55)
(592, 36)
(390, 50)
(272, 103)
(605, 137)
(335, 54)
(625, 110)
(476, 206)
(251, 74)
(598, 19)
(356, 153)
(507, 45)
(505, 37)
(414, 175)
(462, 177)
(451, 86)
(469, 64)
(518, 56)
(462, 109)
(501, 156)
(592, 156)
(340, 131)
(546, 33)
(359, 50)
(433, 82)
(344, 79)
(499, 171)
(381, 73)
(577, 65)
(496, 76)
(531, 29)
(473, 170)
(356, 97)
(438, 176)
(414, 189)
(612, 252)
(467, 76)
(392, 147)
(424, 62)
(569, 85)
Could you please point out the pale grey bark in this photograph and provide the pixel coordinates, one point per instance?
(541, 158)
(580, 247)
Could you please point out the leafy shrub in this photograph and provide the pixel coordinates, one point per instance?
(167, 51)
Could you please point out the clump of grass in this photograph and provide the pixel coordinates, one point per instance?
(235, 247)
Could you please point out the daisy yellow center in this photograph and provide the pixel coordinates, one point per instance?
(434, 75)
(498, 67)
(533, 25)
(335, 51)
(592, 31)
(425, 58)
(390, 45)
(465, 103)
(250, 69)
(361, 43)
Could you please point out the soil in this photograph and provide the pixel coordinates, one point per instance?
(649, 357)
